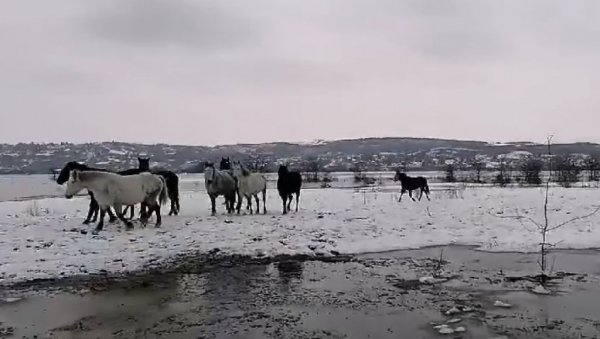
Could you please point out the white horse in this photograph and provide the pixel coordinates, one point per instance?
(249, 185)
(114, 190)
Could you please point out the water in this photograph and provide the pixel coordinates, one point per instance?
(323, 300)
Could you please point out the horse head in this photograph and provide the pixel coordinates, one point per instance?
(209, 172)
(239, 169)
(144, 163)
(399, 176)
(282, 170)
(225, 164)
(64, 174)
(74, 185)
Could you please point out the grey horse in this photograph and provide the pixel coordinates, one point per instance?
(217, 183)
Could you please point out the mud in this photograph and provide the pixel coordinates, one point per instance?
(404, 294)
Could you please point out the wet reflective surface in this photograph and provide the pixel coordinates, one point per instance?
(358, 299)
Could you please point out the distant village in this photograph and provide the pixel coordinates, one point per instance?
(347, 156)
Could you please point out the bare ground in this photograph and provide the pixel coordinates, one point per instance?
(404, 294)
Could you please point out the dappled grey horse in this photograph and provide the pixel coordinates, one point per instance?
(217, 183)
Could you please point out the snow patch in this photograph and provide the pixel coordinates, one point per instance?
(43, 239)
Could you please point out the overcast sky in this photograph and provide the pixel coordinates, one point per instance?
(214, 72)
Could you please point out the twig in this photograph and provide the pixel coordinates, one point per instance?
(575, 219)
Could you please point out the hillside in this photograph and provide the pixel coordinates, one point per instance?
(373, 153)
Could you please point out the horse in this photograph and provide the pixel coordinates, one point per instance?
(94, 207)
(249, 185)
(217, 183)
(225, 164)
(409, 184)
(170, 177)
(111, 189)
(143, 166)
(288, 183)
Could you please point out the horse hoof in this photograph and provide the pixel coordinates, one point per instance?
(86, 222)
(112, 220)
(95, 232)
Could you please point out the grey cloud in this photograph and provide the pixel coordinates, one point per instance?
(161, 23)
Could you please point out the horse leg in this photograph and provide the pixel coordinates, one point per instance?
(111, 215)
(132, 213)
(257, 203)
(119, 211)
(232, 204)
(264, 195)
(156, 208)
(92, 210)
(421, 194)
(410, 195)
(238, 206)
(96, 210)
(249, 203)
(213, 210)
(172, 211)
(297, 200)
(290, 198)
(283, 197)
(401, 194)
(145, 212)
(100, 224)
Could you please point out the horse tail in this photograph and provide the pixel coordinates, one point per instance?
(425, 186)
(174, 189)
(164, 191)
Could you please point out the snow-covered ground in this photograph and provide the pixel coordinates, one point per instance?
(41, 239)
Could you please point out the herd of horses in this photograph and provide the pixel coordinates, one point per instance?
(151, 188)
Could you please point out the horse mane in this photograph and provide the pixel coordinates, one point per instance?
(91, 175)
(245, 172)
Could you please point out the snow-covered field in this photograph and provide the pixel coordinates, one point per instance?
(40, 238)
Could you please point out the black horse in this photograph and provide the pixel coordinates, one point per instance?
(170, 177)
(409, 184)
(288, 183)
(225, 164)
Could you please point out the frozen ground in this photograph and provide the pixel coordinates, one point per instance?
(42, 238)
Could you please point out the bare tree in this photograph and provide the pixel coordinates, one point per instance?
(450, 173)
(546, 227)
(478, 167)
(531, 169)
(567, 171)
(357, 169)
(592, 165)
(504, 175)
(313, 168)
